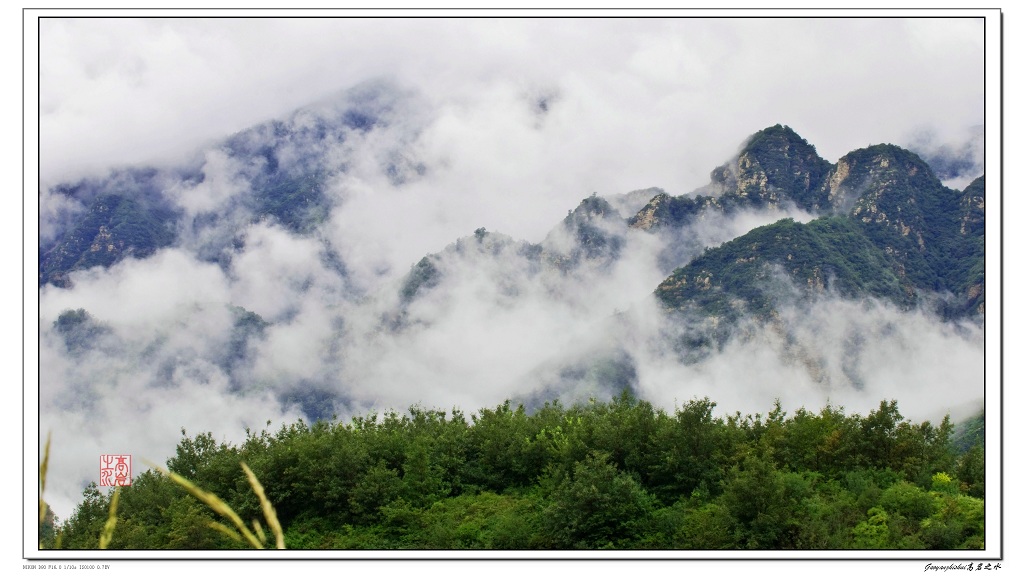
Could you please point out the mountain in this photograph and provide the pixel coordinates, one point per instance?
(125, 217)
(880, 227)
(775, 167)
(894, 232)
(782, 261)
(591, 236)
(272, 172)
(777, 228)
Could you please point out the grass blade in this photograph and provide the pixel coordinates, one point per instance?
(215, 504)
(234, 535)
(42, 479)
(258, 528)
(268, 509)
(108, 528)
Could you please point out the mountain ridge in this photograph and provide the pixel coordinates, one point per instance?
(777, 226)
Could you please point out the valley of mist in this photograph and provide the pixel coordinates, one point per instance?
(393, 244)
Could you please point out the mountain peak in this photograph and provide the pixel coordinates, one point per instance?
(882, 155)
(775, 136)
(774, 165)
(866, 174)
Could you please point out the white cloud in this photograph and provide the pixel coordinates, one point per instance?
(275, 270)
(139, 293)
(848, 353)
(641, 102)
(221, 181)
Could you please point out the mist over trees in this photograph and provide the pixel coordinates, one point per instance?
(306, 268)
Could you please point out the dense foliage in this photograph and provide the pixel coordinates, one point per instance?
(773, 263)
(604, 475)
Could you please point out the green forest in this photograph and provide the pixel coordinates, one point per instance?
(604, 475)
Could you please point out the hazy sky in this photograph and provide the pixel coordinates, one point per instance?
(635, 102)
(628, 104)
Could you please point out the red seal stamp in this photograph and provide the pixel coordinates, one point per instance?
(116, 470)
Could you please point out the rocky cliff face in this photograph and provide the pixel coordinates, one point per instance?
(887, 183)
(972, 245)
(908, 235)
(972, 209)
(775, 168)
(777, 165)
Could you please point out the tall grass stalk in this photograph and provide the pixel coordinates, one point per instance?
(42, 479)
(222, 508)
(214, 503)
(268, 509)
(225, 530)
(108, 527)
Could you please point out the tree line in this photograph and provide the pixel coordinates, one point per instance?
(617, 474)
